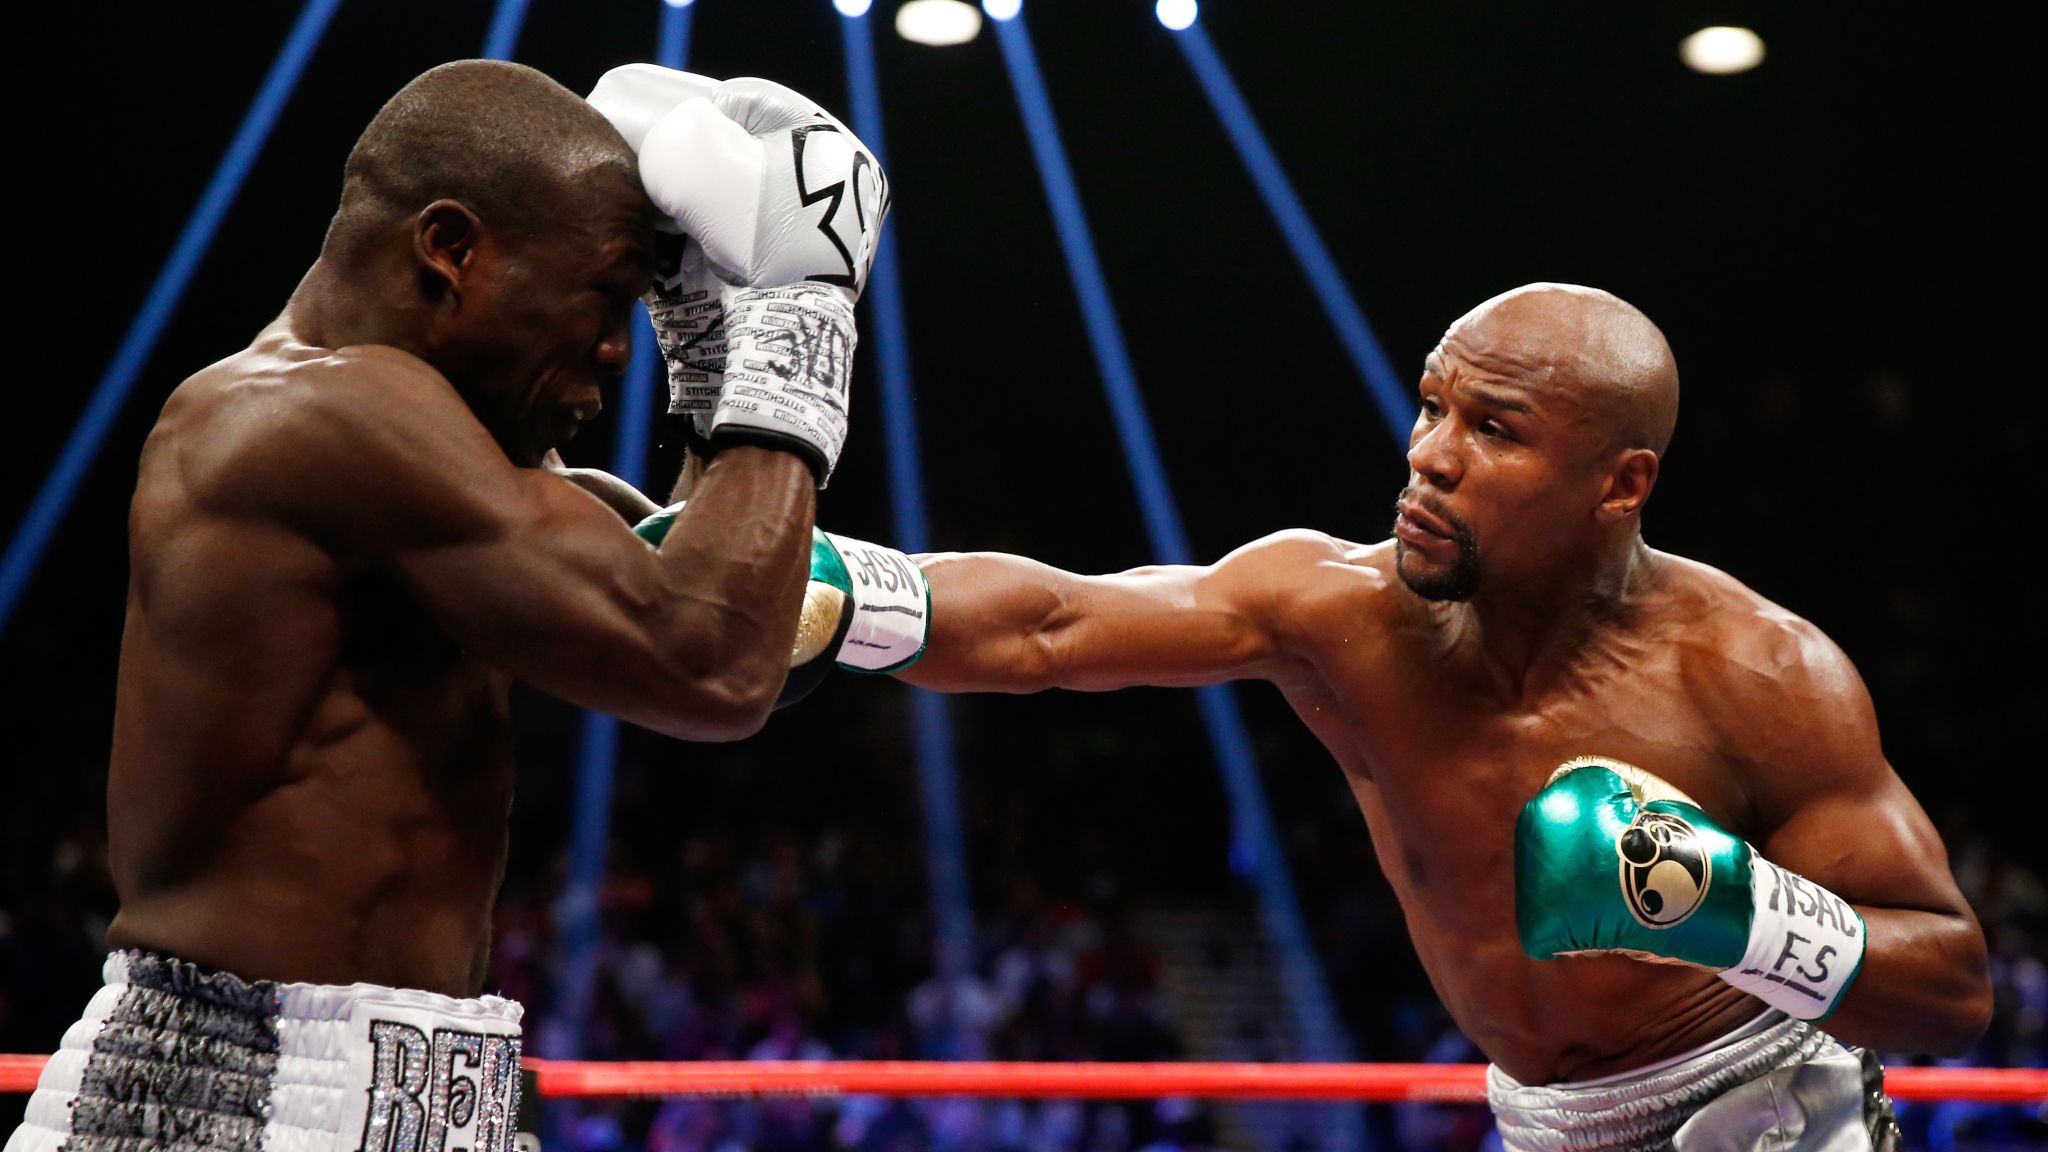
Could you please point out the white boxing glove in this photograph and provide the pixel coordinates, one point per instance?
(686, 302)
(780, 208)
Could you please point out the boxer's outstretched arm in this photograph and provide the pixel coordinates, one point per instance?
(629, 502)
(1009, 624)
(379, 459)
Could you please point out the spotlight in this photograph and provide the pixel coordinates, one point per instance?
(852, 7)
(938, 22)
(1002, 9)
(1175, 14)
(1720, 50)
(678, 3)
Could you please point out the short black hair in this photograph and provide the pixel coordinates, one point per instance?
(502, 138)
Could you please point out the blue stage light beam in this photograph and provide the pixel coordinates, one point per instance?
(937, 763)
(1255, 846)
(1394, 399)
(46, 512)
(597, 755)
(506, 21)
(576, 910)
(672, 46)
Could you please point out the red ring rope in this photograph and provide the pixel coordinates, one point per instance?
(1432, 1082)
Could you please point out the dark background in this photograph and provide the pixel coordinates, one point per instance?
(1839, 246)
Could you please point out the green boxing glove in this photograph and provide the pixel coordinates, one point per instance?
(867, 608)
(655, 528)
(1611, 859)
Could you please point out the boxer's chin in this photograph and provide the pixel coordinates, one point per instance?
(1456, 580)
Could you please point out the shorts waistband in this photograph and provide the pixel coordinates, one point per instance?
(287, 1001)
(1641, 1109)
(172, 1055)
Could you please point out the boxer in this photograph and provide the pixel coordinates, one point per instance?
(345, 546)
(1675, 940)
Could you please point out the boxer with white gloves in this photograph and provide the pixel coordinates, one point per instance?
(348, 540)
(774, 209)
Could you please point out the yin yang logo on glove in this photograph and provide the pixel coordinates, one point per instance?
(1665, 871)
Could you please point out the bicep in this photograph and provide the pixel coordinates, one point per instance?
(553, 588)
(1868, 840)
(390, 469)
(539, 580)
(1832, 808)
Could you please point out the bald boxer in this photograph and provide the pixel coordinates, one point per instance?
(1637, 815)
(345, 548)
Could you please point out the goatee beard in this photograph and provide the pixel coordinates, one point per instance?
(1460, 580)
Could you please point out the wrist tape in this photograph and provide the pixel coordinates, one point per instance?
(891, 607)
(788, 360)
(1805, 943)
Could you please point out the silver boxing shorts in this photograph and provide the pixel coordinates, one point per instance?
(1775, 1083)
(169, 1056)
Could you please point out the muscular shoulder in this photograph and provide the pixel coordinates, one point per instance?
(1304, 581)
(336, 441)
(1792, 710)
(308, 407)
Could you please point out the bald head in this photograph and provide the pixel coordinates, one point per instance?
(502, 138)
(1601, 347)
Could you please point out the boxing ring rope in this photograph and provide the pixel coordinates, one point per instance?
(1413, 1083)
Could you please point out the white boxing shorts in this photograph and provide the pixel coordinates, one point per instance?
(170, 1056)
(1776, 1083)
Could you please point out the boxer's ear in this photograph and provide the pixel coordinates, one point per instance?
(1629, 480)
(445, 237)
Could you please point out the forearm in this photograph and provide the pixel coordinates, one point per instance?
(992, 620)
(629, 502)
(1924, 987)
(740, 552)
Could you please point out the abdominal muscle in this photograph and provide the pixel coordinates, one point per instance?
(1541, 1021)
(1577, 1017)
(371, 853)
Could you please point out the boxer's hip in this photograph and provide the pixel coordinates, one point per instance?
(169, 1055)
(1776, 1083)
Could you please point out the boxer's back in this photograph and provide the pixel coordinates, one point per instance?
(1441, 756)
(309, 778)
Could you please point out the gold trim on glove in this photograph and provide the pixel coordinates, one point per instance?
(1646, 785)
(823, 605)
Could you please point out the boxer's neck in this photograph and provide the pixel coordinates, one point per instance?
(335, 306)
(1536, 635)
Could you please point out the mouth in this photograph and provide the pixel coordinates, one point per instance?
(1413, 520)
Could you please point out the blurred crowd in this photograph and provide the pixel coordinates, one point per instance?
(793, 949)
(813, 943)
(770, 899)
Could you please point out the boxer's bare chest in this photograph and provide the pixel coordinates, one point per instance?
(445, 713)
(279, 710)
(1441, 758)
(1441, 750)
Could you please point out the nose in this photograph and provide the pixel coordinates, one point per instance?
(614, 350)
(1433, 452)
